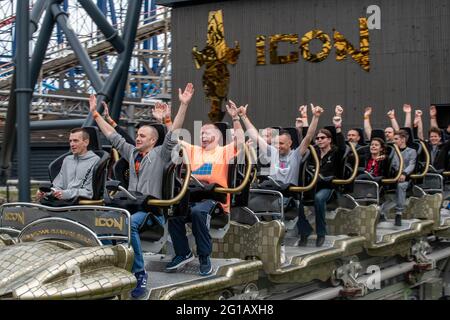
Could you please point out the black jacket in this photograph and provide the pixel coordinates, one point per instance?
(442, 159)
(331, 165)
(366, 156)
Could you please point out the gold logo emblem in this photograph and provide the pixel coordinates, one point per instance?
(215, 56)
(109, 223)
(15, 216)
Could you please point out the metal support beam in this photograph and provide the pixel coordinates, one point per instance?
(129, 35)
(35, 16)
(23, 92)
(41, 44)
(61, 18)
(111, 34)
(115, 85)
(56, 124)
(8, 145)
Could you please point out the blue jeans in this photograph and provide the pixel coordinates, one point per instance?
(137, 220)
(200, 213)
(320, 203)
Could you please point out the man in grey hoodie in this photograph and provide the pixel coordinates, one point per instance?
(409, 156)
(147, 164)
(75, 178)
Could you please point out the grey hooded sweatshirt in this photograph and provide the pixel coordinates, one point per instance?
(149, 181)
(75, 177)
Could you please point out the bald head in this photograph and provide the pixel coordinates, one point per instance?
(146, 138)
(210, 136)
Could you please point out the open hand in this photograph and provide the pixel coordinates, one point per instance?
(158, 111)
(106, 111)
(232, 109)
(303, 111)
(92, 103)
(186, 96)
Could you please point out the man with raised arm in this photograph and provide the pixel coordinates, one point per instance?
(353, 135)
(147, 164)
(209, 163)
(330, 157)
(388, 131)
(434, 123)
(285, 162)
(437, 147)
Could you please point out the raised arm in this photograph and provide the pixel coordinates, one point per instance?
(337, 122)
(158, 111)
(303, 110)
(252, 131)
(104, 126)
(394, 123)
(367, 125)
(162, 113)
(185, 98)
(407, 109)
(116, 127)
(316, 111)
(419, 124)
(433, 117)
(233, 112)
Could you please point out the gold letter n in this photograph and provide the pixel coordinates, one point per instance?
(344, 47)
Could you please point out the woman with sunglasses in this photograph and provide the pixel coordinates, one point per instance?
(330, 156)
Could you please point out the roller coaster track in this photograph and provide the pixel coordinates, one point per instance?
(58, 65)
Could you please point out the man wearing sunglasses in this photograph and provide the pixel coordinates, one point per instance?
(330, 157)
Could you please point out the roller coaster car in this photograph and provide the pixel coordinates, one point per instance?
(230, 276)
(271, 235)
(98, 175)
(382, 239)
(57, 253)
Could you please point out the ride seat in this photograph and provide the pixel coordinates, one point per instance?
(98, 173)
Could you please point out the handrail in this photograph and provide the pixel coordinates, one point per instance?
(115, 154)
(316, 173)
(184, 188)
(427, 163)
(87, 202)
(246, 177)
(400, 168)
(355, 169)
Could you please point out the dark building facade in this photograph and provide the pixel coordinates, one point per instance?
(409, 57)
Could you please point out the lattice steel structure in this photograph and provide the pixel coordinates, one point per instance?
(58, 51)
(150, 68)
